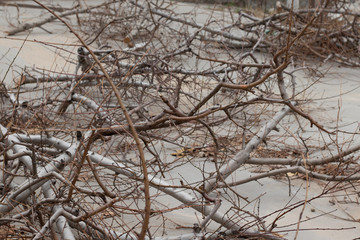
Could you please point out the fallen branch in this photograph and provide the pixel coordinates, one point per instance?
(296, 169)
(241, 157)
(28, 26)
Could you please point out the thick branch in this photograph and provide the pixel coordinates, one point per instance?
(240, 158)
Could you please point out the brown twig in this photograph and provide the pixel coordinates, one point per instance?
(133, 130)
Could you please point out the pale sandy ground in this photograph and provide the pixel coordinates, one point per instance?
(341, 87)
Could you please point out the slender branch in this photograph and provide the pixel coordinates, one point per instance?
(28, 26)
(241, 157)
(123, 108)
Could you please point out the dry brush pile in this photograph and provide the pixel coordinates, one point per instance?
(86, 153)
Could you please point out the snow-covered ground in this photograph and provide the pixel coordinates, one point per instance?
(338, 105)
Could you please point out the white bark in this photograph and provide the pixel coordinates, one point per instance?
(39, 23)
(93, 106)
(162, 185)
(61, 223)
(58, 213)
(240, 158)
(28, 187)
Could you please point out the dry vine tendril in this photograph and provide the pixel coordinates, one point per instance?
(163, 111)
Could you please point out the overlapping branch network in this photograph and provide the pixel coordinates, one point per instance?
(198, 84)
